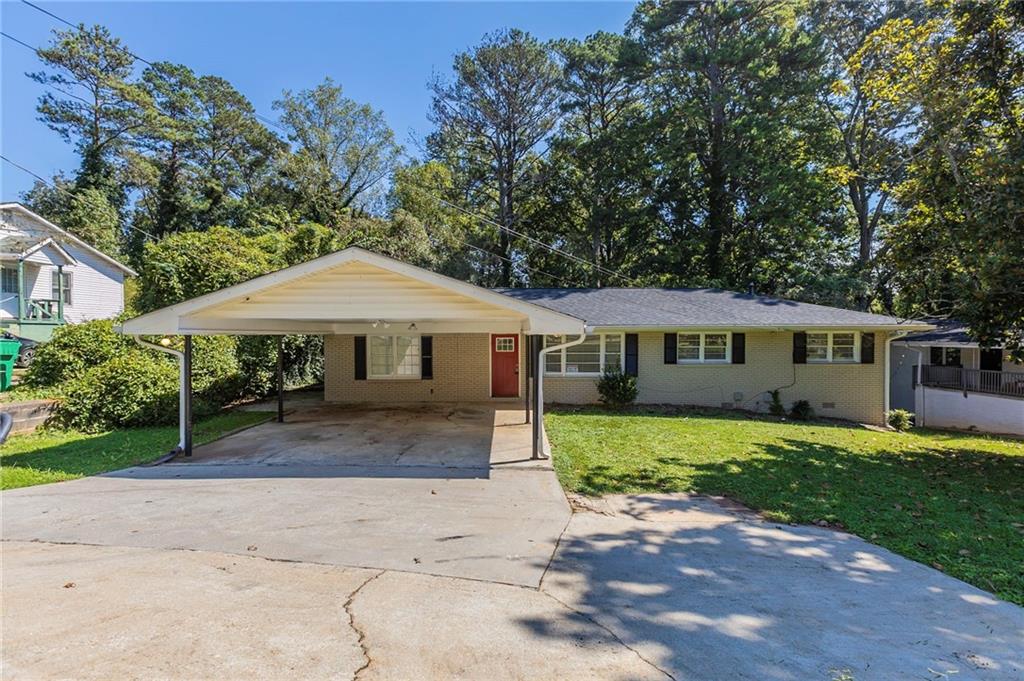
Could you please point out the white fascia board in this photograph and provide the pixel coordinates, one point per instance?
(69, 236)
(774, 328)
(168, 320)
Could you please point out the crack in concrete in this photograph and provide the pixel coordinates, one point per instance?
(359, 631)
(611, 633)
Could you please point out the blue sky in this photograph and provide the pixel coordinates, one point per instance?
(381, 53)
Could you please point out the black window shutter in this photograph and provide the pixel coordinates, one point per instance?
(739, 348)
(359, 354)
(936, 356)
(670, 348)
(991, 359)
(632, 354)
(800, 347)
(426, 357)
(867, 348)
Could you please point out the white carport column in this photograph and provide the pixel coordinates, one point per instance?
(538, 390)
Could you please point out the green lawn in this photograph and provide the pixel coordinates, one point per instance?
(55, 455)
(953, 501)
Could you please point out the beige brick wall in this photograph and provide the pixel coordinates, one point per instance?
(855, 390)
(462, 366)
(462, 373)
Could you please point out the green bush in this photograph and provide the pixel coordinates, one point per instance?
(899, 419)
(75, 349)
(134, 389)
(616, 388)
(801, 411)
(776, 408)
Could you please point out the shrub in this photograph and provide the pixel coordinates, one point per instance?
(801, 411)
(899, 419)
(776, 407)
(74, 349)
(133, 389)
(616, 388)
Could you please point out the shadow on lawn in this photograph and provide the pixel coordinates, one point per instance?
(717, 598)
(959, 510)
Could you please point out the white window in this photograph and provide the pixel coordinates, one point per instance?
(833, 346)
(504, 344)
(590, 358)
(709, 347)
(394, 356)
(10, 280)
(55, 286)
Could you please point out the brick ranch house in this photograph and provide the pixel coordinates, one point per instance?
(394, 332)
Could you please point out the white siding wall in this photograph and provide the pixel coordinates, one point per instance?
(97, 288)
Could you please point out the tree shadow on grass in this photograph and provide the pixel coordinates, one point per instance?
(704, 594)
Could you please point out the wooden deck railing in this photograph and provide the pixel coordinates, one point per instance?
(42, 310)
(973, 380)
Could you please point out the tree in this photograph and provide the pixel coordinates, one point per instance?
(501, 103)
(739, 138)
(872, 144)
(598, 175)
(107, 109)
(959, 250)
(343, 151)
(90, 217)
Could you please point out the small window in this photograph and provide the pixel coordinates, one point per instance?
(834, 346)
(10, 280)
(504, 344)
(394, 356)
(55, 287)
(948, 357)
(703, 348)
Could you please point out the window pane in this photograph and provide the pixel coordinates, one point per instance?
(408, 349)
(817, 346)
(613, 352)
(381, 356)
(553, 363)
(10, 280)
(688, 346)
(715, 345)
(584, 358)
(842, 347)
(952, 357)
(550, 341)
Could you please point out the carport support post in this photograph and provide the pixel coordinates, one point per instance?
(187, 402)
(280, 379)
(538, 406)
(528, 354)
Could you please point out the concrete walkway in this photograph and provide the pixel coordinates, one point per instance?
(245, 566)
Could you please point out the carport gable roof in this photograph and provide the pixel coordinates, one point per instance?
(352, 291)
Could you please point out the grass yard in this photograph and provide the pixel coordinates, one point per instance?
(55, 455)
(952, 501)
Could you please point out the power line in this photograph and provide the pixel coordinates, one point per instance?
(53, 185)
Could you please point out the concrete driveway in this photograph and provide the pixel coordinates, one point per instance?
(430, 558)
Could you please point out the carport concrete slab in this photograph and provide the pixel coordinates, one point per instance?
(438, 490)
(447, 435)
(87, 612)
(709, 593)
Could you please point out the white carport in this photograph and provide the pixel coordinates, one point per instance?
(352, 291)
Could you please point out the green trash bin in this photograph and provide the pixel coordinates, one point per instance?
(8, 356)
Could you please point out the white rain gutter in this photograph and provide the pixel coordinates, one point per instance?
(181, 386)
(539, 387)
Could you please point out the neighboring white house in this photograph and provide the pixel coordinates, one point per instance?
(949, 381)
(51, 277)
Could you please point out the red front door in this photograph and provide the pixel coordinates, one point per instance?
(504, 366)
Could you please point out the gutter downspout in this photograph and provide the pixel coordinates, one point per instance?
(889, 338)
(181, 388)
(538, 373)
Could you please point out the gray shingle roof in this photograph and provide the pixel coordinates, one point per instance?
(948, 331)
(694, 308)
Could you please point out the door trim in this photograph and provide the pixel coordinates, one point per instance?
(490, 366)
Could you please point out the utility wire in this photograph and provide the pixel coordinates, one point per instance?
(53, 185)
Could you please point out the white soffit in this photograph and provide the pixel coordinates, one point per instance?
(345, 292)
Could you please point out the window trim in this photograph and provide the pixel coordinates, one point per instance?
(830, 344)
(700, 354)
(562, 373)
(394, 375)
(67, 285)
